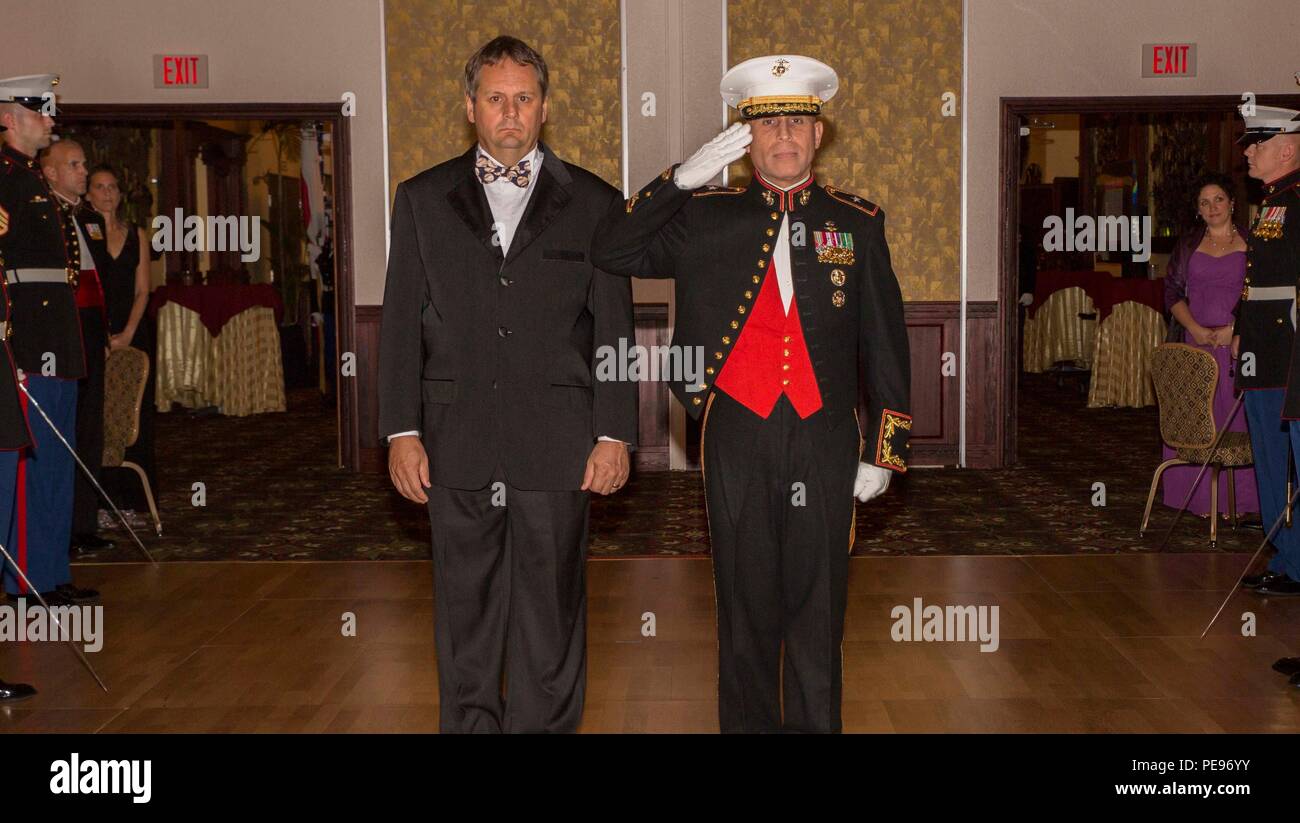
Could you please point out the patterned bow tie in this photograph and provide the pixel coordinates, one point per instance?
(489, 172)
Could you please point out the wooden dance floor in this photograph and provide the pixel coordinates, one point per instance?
(1088, 644)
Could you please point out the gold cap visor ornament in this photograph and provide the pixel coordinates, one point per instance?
(779, 85)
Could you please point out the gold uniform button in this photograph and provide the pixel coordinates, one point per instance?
(757, 279)
(775, 215)
(749, 295)
(786, 353)
(717, 355)
(785, 339)
(697, 401)
(771, 232)
(45, 302)
(762, 263)
(740, 309)
(766, 248)
(1279, 321)
(726, 341)
(785, 367)
(735, 324)
(709, 370)
(785, 381)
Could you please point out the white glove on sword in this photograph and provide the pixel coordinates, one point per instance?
(713, 157)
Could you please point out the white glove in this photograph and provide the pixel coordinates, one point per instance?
(713, 157)
(1026, 299)
(872, 482)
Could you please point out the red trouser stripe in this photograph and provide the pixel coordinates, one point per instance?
(20, 513)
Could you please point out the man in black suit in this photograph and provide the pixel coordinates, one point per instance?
(493, 317)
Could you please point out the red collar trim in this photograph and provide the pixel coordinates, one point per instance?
(785, 199)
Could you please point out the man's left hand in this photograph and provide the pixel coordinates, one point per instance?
(607, 468)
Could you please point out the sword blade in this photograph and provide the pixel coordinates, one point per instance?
(1214, 448)
(72, 643)
(1276, 525)
(86, 471)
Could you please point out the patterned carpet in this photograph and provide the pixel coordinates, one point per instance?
(272, 493)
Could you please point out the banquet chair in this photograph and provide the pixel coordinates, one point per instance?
(125, 376)
(1185, 378)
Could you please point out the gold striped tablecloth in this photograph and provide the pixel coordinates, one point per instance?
(1056, 332)
(1121, 371)
(239, 371)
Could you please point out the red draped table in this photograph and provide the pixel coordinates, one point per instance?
(219, 345)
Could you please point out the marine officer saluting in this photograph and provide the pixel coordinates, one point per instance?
(46, 343)
(787, 287)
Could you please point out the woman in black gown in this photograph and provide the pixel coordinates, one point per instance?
(125, 278)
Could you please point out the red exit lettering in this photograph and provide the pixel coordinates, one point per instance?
(180, 70)
(1170, 59)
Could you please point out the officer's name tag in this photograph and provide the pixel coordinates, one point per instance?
(834, 247)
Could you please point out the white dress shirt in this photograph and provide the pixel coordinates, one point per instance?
(507, 200)
(781, 258)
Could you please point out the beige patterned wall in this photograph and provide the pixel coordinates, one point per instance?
(430, 40)
(886, 139)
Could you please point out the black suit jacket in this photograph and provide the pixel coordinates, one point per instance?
(718, 243)
(491, 357)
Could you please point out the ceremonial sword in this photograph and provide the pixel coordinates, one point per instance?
(28, 583)
(1276, 524)
(89, 476)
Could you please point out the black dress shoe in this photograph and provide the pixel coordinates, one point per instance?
(15, 691)
(1288, 666)
(1283, 586)
(90, 543)
(51, 598)
(1254, 581)
(75, 594)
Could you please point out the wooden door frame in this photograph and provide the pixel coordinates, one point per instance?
(344, 266)
(1013, 108)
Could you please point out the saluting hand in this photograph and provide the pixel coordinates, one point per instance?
(713, 157)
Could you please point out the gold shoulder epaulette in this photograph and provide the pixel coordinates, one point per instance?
(705, 191)
(861, 204)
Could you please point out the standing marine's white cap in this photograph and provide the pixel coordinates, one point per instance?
(779, 84)
(28, 91)
(1268, 121)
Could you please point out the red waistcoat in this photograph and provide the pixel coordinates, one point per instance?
(770, 357)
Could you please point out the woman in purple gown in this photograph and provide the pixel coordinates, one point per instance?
(1202, 286)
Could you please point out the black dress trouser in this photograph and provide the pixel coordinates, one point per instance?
(90, 422)
(510, 597)
(779, 492)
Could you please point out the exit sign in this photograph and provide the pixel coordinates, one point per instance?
(1169, 60)
(180, 71)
